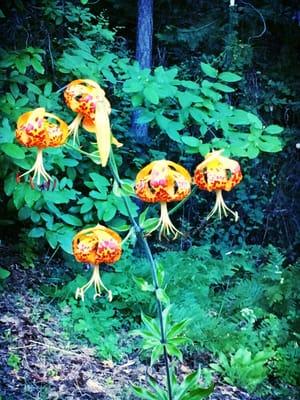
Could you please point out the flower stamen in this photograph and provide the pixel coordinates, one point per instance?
(38, 169)
(73, 128)
(98, 285)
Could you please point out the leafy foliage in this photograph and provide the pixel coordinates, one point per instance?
(252, 300)
(188, 389)
(194, 115)
(216, 101)
(244, 369)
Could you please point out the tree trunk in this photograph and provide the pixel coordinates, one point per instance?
(144, 57)
(144, 33)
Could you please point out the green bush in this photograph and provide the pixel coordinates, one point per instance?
(240, 300)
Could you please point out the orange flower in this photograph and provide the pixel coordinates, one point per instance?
(40, 129)
(163, 181)
(217, 173)
(87, 99)
(98, 245)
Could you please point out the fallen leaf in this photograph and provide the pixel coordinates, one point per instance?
(94, 386)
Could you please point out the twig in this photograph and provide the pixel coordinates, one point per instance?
(262, 18)
(34, 343)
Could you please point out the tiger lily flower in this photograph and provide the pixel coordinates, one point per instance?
(163, 181)
(217, 173)
(87, 99)
(95, 246)
(40, 129)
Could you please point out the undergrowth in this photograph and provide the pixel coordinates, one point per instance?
(242, 308)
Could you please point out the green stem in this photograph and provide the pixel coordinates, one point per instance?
(140, 235)
(92, 156)
(181, 203)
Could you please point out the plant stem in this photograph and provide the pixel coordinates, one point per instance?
(139, 232)
(181, 203)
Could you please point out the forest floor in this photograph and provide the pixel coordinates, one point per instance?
(38, 362)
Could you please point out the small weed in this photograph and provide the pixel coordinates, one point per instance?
(14, 361)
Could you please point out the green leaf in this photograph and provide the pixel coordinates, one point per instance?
(98, 195)
(269, 144)
(160, 273)
(143, 393)
(143, 216)
(71, 219)
(150, 92)
(106, 72)
(170, 127)
(161, 393)
(10, 99)
(87, 205)
(14, 88)
(163, 121)
(184, 98)
(239, 117)
(199, 393)
(13, 150)
(273, 129)
(24, 213)
(22, 102)
(209, 70)
(110, 212)
(52, 238)
(197, 114)
(35, 62)
(255, 121)
(99, 180)
(4, 273)
(223, 88)
(10, 184)
(36, 232)
(33, 88)
(121, 227)
(162, 296)
(190, 141)
(145, 116)
(18, 195)
(204, 148)
(174, 351)
(31, 195)
(35, 217)
(215, 96)
(6, 134)
(48, 89)
(120, 205)
(53, 209)
(133, 86)
(229, 77)
(128, 188)
(143, 285)
(177, 328)
(137, 100)
(59, 197)
(152, 325)
(189, 84)
(156, 353)
(21, 65)
(65, 240)
(252, 151)
(149, 224)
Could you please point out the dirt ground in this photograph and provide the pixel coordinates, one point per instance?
(38, 362)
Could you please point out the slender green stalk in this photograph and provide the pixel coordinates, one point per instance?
(140, 235)
(181, 203)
